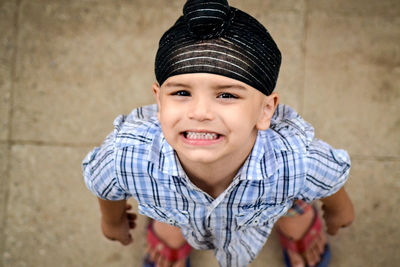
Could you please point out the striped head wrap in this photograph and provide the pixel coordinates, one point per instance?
(212, 37)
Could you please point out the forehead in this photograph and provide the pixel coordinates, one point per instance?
(205, 79)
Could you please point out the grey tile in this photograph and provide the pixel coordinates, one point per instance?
(365, 8)
(352, 95)
(49, 205)
(80, 64)
(3, 192)
(288, 32)
(204, 258)
(8, 10)
(285, 22)
(52, 219)
(260, 8)
(271, 254)
(374, 237)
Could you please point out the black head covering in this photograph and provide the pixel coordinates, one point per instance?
(212, 37)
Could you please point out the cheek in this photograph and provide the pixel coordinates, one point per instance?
(240, 124)
(243, 116)
(169, 116)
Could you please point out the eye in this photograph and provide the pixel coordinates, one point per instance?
(181, 93)
(227, 95)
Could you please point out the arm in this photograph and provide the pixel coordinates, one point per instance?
(338, 211)
(116, 221)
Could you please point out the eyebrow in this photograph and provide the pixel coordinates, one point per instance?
(231, 86)
(173, 84)
(217, 87)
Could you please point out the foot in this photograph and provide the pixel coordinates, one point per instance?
(173, 238)
(295, 228)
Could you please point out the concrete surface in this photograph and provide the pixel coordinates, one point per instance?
(68, 68)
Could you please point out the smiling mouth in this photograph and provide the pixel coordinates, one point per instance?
(201, 135)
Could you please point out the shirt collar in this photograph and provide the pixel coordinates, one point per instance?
(261, 163)
(164, 156)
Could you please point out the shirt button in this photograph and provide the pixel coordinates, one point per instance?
(255, 221)
(171, 221)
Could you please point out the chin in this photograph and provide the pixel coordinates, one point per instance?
(203, 157)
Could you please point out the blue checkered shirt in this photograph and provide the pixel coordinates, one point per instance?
(286, 163)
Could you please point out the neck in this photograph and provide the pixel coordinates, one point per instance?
(214, 178)
(211, 179)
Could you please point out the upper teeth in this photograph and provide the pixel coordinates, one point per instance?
(196, 135)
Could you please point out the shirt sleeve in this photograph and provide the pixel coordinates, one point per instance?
(99, 172)
(327, 170)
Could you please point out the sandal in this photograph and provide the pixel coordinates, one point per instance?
(300, 246)
(170, 254)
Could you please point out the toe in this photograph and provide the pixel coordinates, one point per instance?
(180, 263)
(151, 253)
(315, 250)
(161, 262)
(296, 260)
(312, 255)
(321, 243)
(154, 255)
(316, 255)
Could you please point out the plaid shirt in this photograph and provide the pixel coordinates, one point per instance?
(286, 163)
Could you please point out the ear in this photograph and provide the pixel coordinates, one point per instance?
(268, 108)
(157, 95)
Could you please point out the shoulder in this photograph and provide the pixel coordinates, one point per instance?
(284, 147)
(289, 131)
(286, 142)
(105, 167)
(140, 127)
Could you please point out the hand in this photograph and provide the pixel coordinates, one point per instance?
(119, 230)
(338, 217)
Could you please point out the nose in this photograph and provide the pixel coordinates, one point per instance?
(200, 109)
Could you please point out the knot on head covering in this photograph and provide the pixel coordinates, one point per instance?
(212, 37)
(206, 19)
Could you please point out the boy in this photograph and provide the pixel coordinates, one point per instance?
(217, 161)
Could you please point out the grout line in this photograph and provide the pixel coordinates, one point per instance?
(6, 179)
(54, 144)
(304, 49)
(89, 145)
(374, 158)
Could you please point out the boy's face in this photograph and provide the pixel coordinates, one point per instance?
(208, 118)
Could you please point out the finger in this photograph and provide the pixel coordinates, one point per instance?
(332, 229)
(132, 225)
(323, 207)
(127, 240)
(131, 216)
(346, 225)
(128, 206)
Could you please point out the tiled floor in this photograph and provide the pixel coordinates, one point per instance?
(67, 68)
